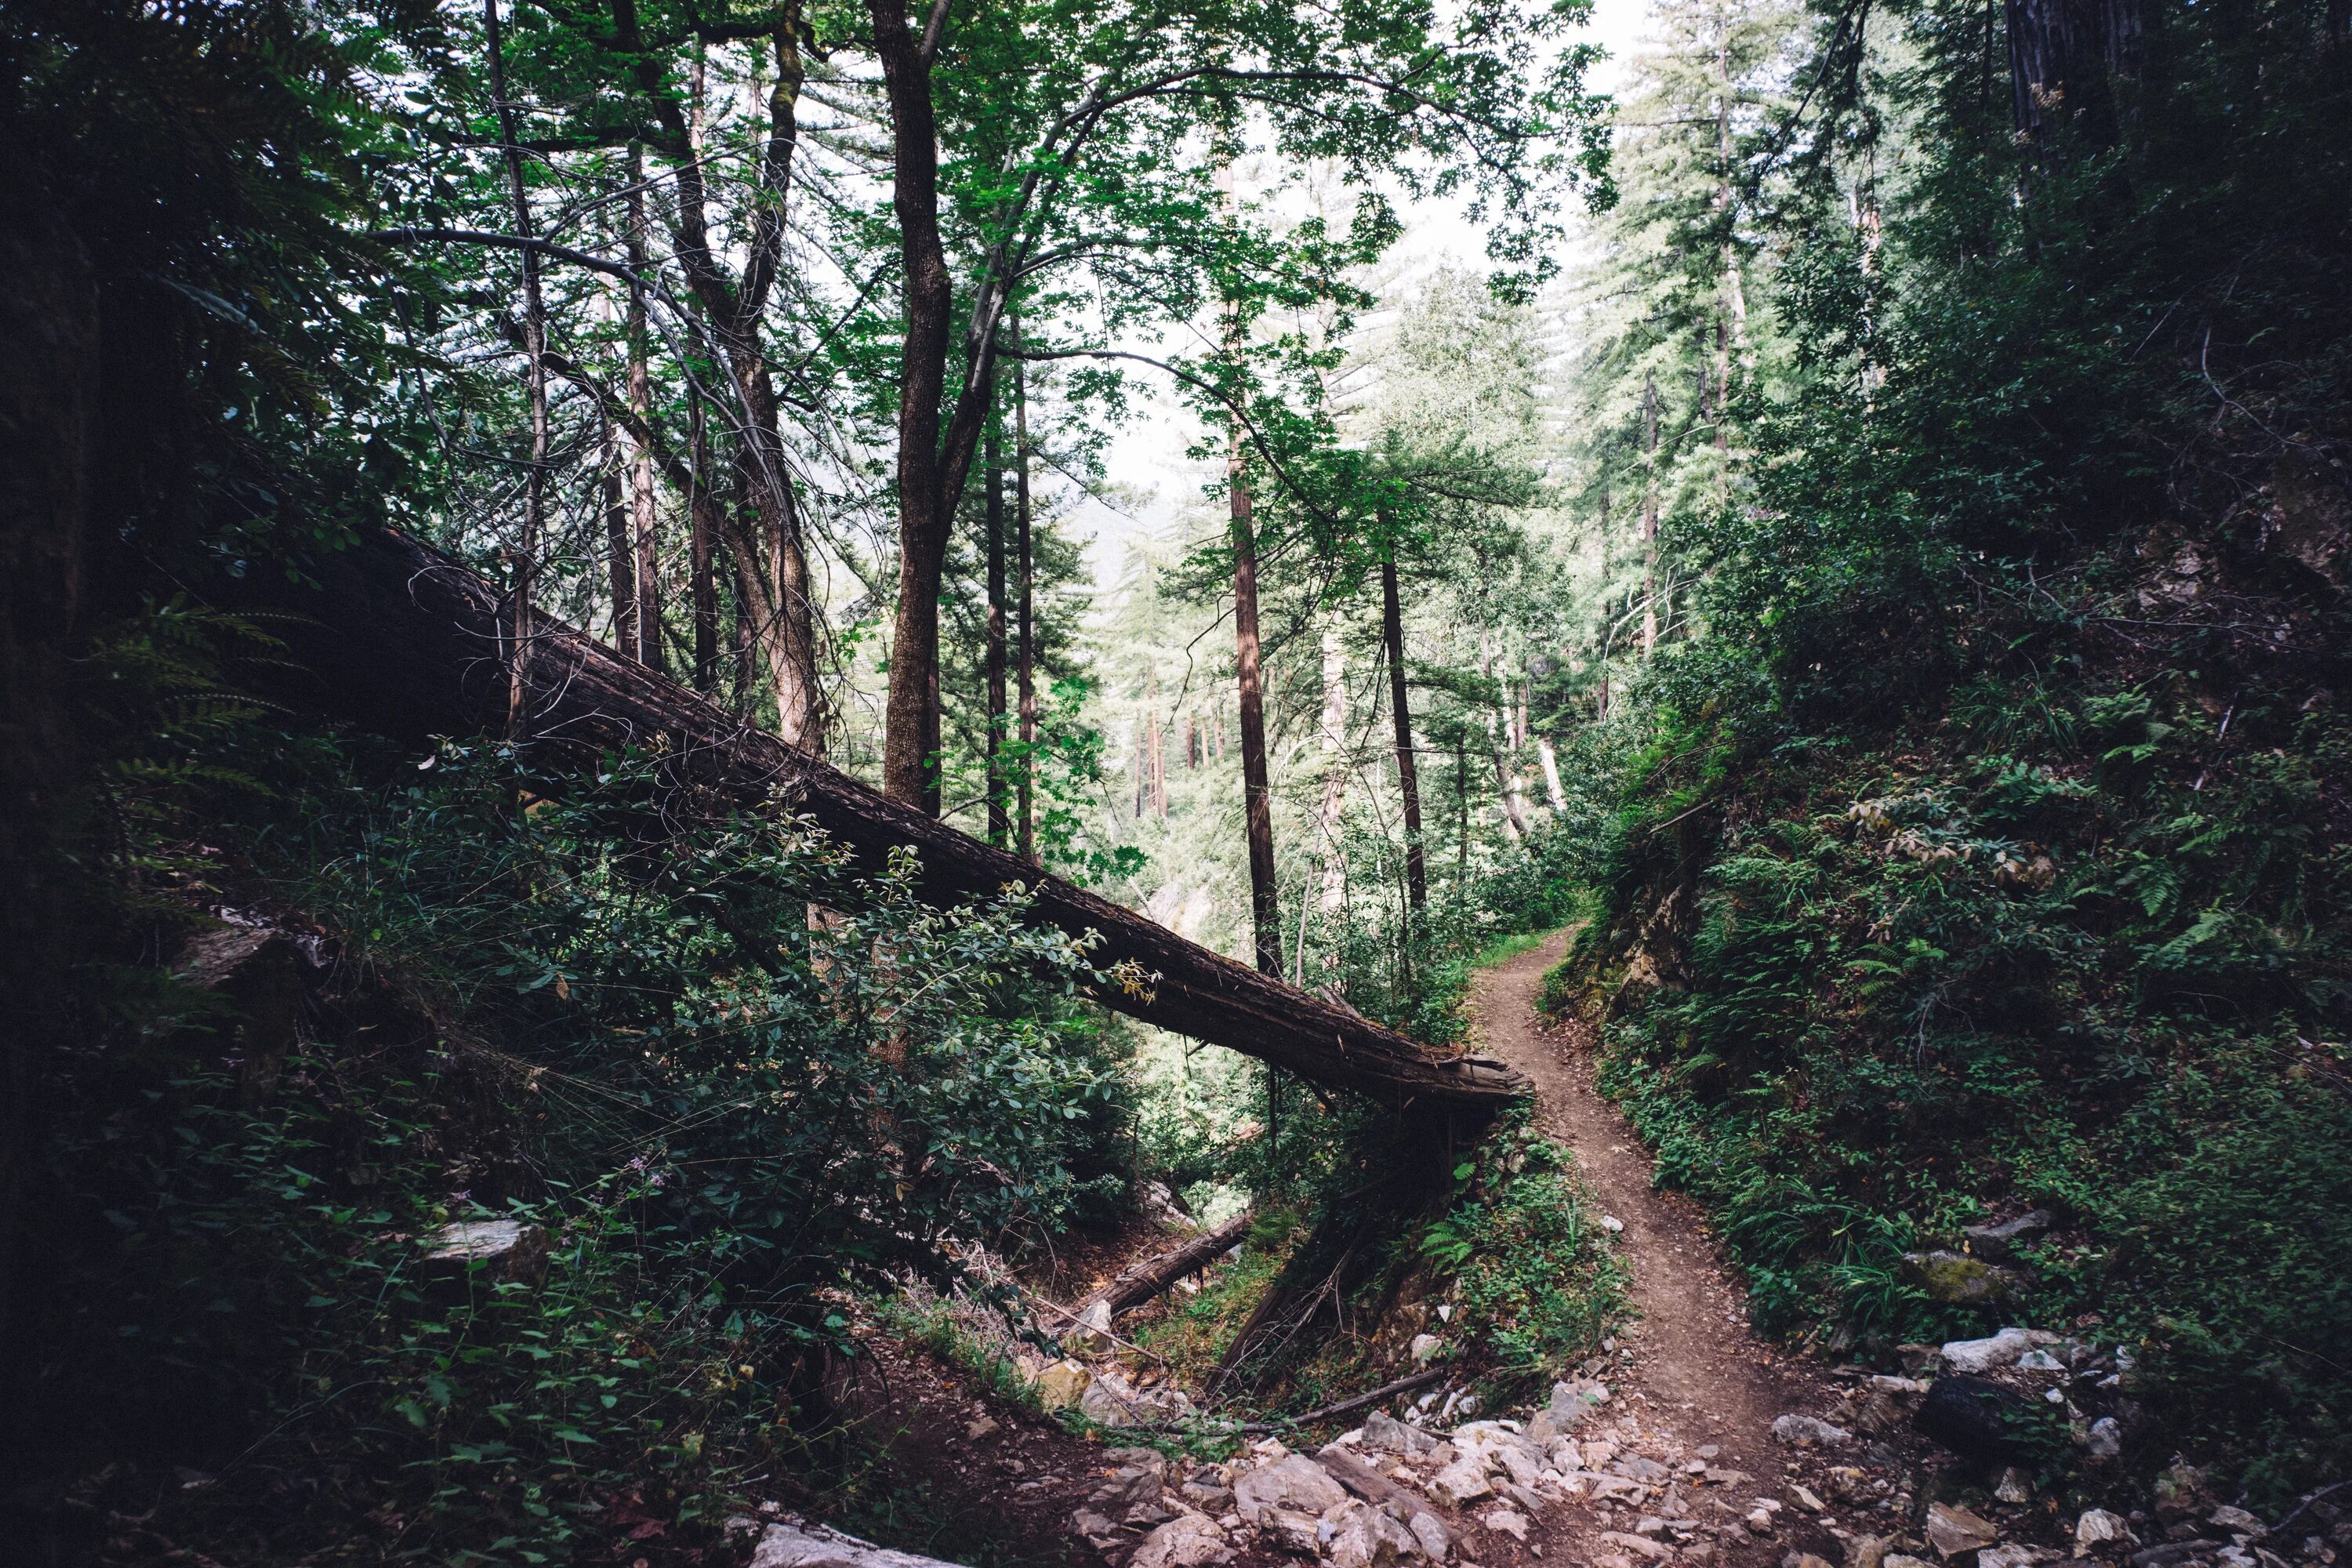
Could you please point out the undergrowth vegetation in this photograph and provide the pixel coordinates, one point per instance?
(724, 1105)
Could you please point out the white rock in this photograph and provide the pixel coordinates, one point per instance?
(799, 1545)
(2237, 1522)
(1292, 1530)
(1062, 1384)
(2008, 1554)
(1463, 1481)
(2097, 1527)
(1807, 1430)
(2040, 1360)
(1293, 1482)
(1511, 1521)
(1977, 1357)
(1424, 1346)
(1356, 1535)
(2106, 1438)
(1638, 1545)
(1612, 1225)
(1191, 1541)
(1430, 1531)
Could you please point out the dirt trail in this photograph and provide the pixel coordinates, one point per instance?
(1696, 1366)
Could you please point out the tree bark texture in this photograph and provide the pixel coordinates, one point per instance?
(644, 520)
(524, 575)
(1649, 515)
(1000, 818)
(2063, 56)
(910, 733)
(1024, 794)
(50, 428)
(761, 538)
(1416, 863)
(1152, 1277)
(405, 640)
(1257, 796)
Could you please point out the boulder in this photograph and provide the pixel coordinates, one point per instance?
(1959, 1279)
(1423, 1348)
(1648, 1471)
(1975, 1419)
(2009, 1554)
(2098, 1528)
(1804, 1560)
(1953, 1531)
(1805, 1431)
(2236, 1521)
(506, 1251)
(1507, 1521)
(1640, 1547)
(1463, 1481)
(1430, 1531)
(1977, 1357)
(2105, 1438)
(1384, 1434)
(1292, 1530)
(1293, 1483)
(799, 1545)
(1357, 1535)
(1572, 1402)
(1138, 1476)
(1867, 1551)
(2172, 1554)
(1091, 1334)
(1998, 1242)
(1897, 1560)
(1063, 1385)
(1190, 1541)
(1163, 1208)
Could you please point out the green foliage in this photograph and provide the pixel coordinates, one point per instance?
(723, 1112)
(1535, 1279)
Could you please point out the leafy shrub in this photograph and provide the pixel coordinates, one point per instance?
(626, 1028)
(1536, 1282)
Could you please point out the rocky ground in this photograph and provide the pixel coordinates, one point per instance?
(1690, 1443)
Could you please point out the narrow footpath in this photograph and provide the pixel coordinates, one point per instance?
(1691, 1372)
(1694, 1359)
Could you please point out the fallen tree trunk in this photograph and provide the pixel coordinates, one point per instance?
(405, 641)
(1139, 1282)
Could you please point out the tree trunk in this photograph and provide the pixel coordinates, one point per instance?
(1416, 866)
(1333, 745)
(1257, 798)
(703, 518)
(1000, 820)
(910, 735)
(50, 382)
(393, 636)
(644, 517)
(1650, 515)
(1026, 802)
(1153, 1277)
(1552, 792)
(2063, 56)
(524, 580)
(620, 551)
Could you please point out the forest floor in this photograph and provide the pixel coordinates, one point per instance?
(1692, 1374)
